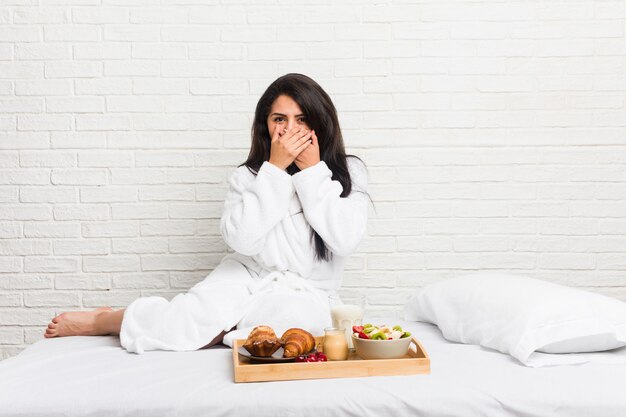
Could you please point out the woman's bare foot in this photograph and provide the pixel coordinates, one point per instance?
(77, 323)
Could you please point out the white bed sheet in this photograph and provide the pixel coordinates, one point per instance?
(94, 376)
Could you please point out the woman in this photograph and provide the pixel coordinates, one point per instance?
(295, 210)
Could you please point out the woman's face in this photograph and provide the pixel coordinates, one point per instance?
(286, 113)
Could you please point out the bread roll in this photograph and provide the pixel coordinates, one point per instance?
(297, 342)
(262, 341)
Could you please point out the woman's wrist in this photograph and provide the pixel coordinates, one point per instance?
(278, 164)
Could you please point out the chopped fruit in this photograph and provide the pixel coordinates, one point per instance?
(363, 335)
(357, 329)
(380, 336)
(383, 332)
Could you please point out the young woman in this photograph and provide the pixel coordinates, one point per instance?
(295, 210)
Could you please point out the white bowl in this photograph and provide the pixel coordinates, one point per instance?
(381, 349)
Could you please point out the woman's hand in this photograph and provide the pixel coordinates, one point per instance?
(310, 155)
(286, 146)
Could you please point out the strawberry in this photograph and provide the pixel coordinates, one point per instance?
(357, 329)
(363, 335)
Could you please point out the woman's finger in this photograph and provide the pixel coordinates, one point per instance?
(305, 138)
(302, 147)
(314, 138)
(293, 134)
(298, 142)
(276, 133)
(300, 136)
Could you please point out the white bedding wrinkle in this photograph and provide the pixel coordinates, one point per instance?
(537, 322)
(95, 376)
(273, 274)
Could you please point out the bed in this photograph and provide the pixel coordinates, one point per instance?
(94, 376)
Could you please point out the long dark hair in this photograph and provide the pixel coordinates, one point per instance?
(321, 116)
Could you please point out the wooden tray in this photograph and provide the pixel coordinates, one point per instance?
(416, 361)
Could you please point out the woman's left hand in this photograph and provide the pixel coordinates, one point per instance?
(310, 156)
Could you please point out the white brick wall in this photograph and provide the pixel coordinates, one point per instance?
(495, 134)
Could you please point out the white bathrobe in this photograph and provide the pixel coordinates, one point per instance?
(273, 277)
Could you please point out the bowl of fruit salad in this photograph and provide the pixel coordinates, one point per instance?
(380, 342)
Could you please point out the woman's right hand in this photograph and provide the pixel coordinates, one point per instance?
(286, 146)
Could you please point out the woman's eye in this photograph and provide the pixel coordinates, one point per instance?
(278, 119)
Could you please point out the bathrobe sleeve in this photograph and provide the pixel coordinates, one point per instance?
(341, 222)
(253, 206)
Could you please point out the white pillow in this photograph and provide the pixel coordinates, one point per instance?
(523, 316)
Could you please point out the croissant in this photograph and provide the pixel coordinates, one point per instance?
(262, 341)
(297, 342)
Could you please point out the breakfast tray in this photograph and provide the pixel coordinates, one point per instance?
(416, 361)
